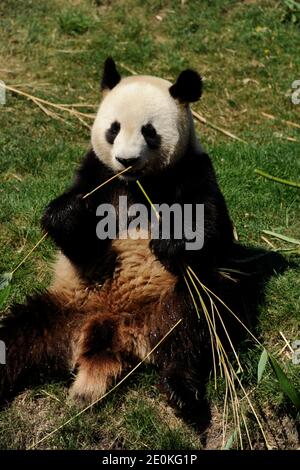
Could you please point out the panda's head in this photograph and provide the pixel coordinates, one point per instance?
(143, 121)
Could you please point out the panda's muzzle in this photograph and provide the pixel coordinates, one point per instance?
(126, 162)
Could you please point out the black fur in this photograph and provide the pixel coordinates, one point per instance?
(188, 87)
(152, 138)
(111, 76)
(101, 337)
(30, 352)
(112, 132)
(71, 220)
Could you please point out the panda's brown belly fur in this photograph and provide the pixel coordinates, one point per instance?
(136, 294)
(139, 278)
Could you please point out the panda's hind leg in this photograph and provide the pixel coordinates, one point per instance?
(98, 358)
(38, 342)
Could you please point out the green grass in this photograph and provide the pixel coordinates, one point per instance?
(248, 54)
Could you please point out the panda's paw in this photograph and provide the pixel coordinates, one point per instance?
(76, 397)
(87, 387)
(81, 397)
(168, 252)
(64, 210)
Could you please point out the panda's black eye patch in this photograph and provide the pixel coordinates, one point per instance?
(152, 138)
(112, 132)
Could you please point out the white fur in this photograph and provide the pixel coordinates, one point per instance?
(135, 102)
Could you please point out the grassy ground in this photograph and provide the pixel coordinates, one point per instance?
(248, 52)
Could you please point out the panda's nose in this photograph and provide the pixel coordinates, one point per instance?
(128, 161)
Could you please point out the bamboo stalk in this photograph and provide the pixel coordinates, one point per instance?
(41, 103)
(107, 181)
(29, 253)
(148, 199)
(289, 123)
(276, 178)
(217, 128)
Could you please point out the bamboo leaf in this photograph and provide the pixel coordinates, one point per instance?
(5, 280)
(262, 365)
(275, 178)
(4, 293)
(231, 440)
(282, 237)
(285, 383)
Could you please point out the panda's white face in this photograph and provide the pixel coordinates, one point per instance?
(140, 124)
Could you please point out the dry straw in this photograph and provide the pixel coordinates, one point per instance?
(71, 109)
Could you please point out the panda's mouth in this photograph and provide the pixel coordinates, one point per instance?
(135, 171)
(132, 174)
(132, 167)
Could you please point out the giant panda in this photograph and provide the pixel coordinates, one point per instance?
(111, 301)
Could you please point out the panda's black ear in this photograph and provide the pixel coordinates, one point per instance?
(111, 76)
(188, 87)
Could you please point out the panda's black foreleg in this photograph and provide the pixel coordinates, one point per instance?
(187, 394)
(71, 223)
(206, 236)
(36, 339)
